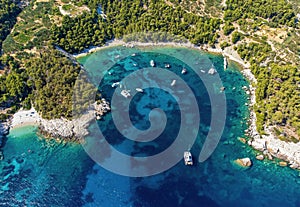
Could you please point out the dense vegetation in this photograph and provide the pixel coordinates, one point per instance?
(52, 77)
(278, 96)
(228, 28)
(80, 32)
(278, 88)
(200, 7)
(13, 88)
(46, 81)
(8, 13)
(259, 52)
(44, 77)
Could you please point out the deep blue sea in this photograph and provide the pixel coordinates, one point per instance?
(36, 172)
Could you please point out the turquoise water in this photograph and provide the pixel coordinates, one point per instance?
(40, 173)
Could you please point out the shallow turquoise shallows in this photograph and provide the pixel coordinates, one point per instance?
(39, 173)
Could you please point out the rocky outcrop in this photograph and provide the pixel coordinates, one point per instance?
(269, 144)
(63, 128)
(75, 129)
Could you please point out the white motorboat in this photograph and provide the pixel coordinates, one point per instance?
(188, 159)
(125, 93)
(115, 84)
(139, 90)
(173, 83)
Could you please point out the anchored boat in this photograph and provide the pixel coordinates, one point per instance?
(125, 93)
(139, 90)
(115, 84)
(188, 159)
(173, 83)
(225, 63)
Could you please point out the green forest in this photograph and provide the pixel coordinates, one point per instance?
(45, 78)
(91, 29)
(46, 81)
(51, 77)
(278, 88)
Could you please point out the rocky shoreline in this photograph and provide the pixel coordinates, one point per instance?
(270, 145)
(64, 129)
(75, 129)
(59, 129)
(4, 130)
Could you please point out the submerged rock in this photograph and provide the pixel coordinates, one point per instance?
(244, 162)
(243, 140)
(283, 164)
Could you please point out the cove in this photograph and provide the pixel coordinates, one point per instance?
(39, 173)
